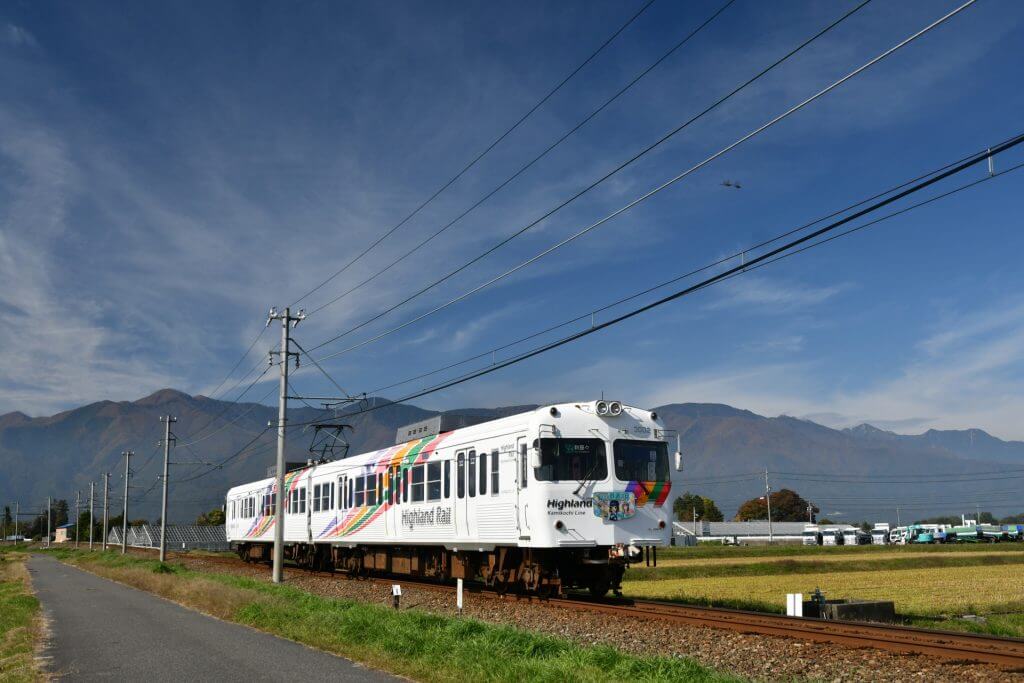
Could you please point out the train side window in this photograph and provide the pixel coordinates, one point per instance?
(460, 475)
(330, 496)
(447, 479)
(316, 498)
(524, 467)
(341, 493)
(405, 485)
(483, 474)
(302, 500)
(359, 491)
(380, 488)
(371, 489)
(494, 472)
(472, 474)
(434, 481)
(351, 492)
(417, 484)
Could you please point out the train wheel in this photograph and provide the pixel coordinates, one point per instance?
(599, 587)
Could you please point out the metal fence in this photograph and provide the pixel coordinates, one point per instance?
(188, 537)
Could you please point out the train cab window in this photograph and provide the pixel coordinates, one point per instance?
(494, 472)
(447, 479)
(471, 479)
(572, 460)
(268, 504)
(641, 460)
(483, 473)
(434, 481)
(417, 484)
(380, 488)
(360, 496)
(460, 475)
(524, 466)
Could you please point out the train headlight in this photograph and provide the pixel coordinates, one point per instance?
(602, 408)
(614, 408)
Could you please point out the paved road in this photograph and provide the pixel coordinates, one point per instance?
(102, 630)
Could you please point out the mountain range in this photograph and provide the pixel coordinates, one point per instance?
(851, 474)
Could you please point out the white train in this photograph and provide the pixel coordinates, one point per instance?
(562, 496)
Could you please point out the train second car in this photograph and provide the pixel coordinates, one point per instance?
(564, 496)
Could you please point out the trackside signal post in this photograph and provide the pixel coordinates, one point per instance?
(288, 321)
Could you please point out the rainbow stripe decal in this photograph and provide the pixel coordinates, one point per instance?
(404, 456)
(264, 523)
(645, 490)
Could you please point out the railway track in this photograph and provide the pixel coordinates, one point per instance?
(948, 645)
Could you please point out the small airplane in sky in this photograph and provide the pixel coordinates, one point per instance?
(732, 183)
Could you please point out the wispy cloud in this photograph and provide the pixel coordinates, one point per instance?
(18, 36)
(758, 293)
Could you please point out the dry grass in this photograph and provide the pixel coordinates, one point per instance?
(20, 625)
(837, 557)
(945, 590)
(201, 594)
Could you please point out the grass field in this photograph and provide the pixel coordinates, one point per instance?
(19, 626)
(410, 643)
(931, 585)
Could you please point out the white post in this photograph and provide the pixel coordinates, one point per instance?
(458, 594)
(78, 515)
(47, 521)
(92, 493)
(768, 500)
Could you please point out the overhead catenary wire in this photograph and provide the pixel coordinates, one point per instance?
(635, 202)
(753, 263)
(590, 314)
(547, 150)
(482, 154)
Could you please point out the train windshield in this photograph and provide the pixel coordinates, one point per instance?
(572, 460)
(641, 460)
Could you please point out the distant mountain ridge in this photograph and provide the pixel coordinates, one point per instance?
(58, 454)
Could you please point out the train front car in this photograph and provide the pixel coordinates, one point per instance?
(600, 495)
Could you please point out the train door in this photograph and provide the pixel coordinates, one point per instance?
(519, 467)
(391, 493)
(309, 506)
(462, 500)
(522, 482)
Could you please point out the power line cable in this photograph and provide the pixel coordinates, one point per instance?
(535, 159)
(590, 315)
(633, 203)
(484, 153)
(755, 262)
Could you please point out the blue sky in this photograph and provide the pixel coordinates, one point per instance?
(170, 170)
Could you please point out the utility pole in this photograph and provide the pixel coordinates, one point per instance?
(898, 516)
(47, 521)
(17, 512)
(287, 323)
(78, 515)
(106, 509)
(163, 506)
(768, 500)
(124, 522)
(810, 513)
(92, 496)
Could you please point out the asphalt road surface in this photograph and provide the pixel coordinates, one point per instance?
(101, 630)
